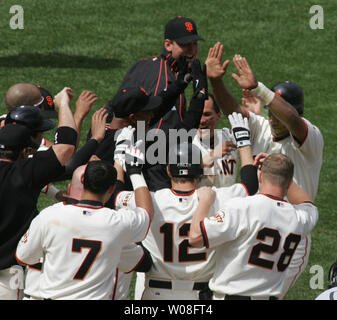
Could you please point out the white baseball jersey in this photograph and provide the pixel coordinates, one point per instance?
(131, 256)
(224, 171)
(255, 238)
(167, 239)
(81, 245)
(307, 157)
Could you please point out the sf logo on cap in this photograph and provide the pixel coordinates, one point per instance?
(189, 26)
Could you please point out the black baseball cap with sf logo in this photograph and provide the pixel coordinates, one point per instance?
(181, 30)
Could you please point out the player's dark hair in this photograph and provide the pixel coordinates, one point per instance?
(278, 169)
(184, 180)
(215, 105)
(99, 176)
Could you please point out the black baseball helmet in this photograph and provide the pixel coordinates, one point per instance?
(292, 93)
(333, 275)
(31, 117)
(185, 161)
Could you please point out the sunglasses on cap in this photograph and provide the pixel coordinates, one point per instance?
(39, 103)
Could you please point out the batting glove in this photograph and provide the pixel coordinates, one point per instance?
(125, 134)
(134, 159)
(124, 140)
(240, 129)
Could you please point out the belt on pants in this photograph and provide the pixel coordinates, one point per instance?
(168, 284)
(237, 297)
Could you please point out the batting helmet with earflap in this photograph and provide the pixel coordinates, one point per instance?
(31, 117)
(333, 275)
(292, 93)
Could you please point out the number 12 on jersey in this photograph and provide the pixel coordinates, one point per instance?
(167, 230)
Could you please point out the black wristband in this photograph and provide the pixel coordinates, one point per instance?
(66, 135)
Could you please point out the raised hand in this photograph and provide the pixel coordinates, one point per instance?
(215, 68)
(251, 102)
(84, 103)
(240, 129)
(246, 78)
(98, 122)
(258, 161)
(63, 97)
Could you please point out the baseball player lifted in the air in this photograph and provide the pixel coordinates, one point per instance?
(81, 244)
(255, 237)
(286, 132)
(180, 272)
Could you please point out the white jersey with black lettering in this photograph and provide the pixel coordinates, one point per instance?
(167, 239)
(224, 171)
(81, 245)
(307, 159)
(255, 238)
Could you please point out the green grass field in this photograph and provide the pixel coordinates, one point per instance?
(89, 45)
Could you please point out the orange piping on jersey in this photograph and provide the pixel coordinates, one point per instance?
(299, 268)
(159, 76)
(20, 261)
(47, 188)
(245, 188)
(115, 288)
(273, 197)
(165, 73)
(182, 194)
(180, 106)
(306, 133)
(159, 125)
(166, 81)
(138, 263)
(115, 202)
(204, 233)
(36, 266)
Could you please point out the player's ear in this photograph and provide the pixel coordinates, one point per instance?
(82, 178)
(168, 44)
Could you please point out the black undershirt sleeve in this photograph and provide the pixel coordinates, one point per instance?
(249, 178)
(146, 263)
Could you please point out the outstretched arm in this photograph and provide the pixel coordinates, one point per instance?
(206, 198)
(215, 71)
(279, 108)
